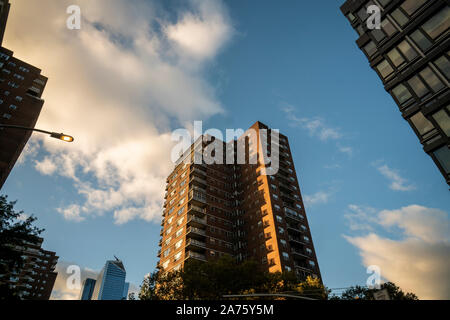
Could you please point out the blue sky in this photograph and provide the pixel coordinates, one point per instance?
(294, 66)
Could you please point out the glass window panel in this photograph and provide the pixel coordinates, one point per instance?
(431, 79)
(384, 68)
(399, 17)
(420, 39)
(396, 57)
(421, 123)
(407, 50)
(443, 120)
(443, 156)
(370, 48)
(401, 93)
(388, 27)
(411, 6)
(444, 66)
(384, 3)
(378, 35)
(351, 17)
(438, 24)
(362, 13)
(418, 86)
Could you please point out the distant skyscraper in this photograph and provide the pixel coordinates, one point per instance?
(410, 53)
(237, 210)
(21, 87)
(88, 289)
(35, 279)
(126, 287)
(110, 282)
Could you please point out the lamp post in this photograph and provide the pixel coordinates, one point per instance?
(60, 136)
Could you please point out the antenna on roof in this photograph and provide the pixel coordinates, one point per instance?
(116, 258)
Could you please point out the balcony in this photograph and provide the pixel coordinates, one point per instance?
(297, 240)
(198, 181)
(198, 171)
(195, 255)
(195, 244)
(194, 210)
(195, 221)
(159, 253)
(300, 253)
(197, 198)
(193, 232)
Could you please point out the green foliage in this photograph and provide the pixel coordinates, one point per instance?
(13, 232)
(364, 293)
(211, 281)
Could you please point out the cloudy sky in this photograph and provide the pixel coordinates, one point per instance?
(137, 70)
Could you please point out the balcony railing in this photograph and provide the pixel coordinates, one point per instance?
(193, 242)
(196, 231)
(198, 196)
(195, 255)
(196, 219)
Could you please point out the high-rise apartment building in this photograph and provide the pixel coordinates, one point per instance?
(88, 289)
(4, 10)
(21, 87)
(236, 209)
(410, 53)
(110, 282)
(35, 279)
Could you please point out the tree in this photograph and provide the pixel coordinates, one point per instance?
(364, 293)
(211, 281)
(14, 231)
(313, 288)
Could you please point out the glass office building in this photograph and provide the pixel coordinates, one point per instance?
(88, 289)
(110, 283)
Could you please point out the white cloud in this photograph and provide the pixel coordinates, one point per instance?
(46, 166)
(203, 33)
(398, 183)
(119, 86)
(417, 261)
(316, 127)
(319, 197)
(61, 289)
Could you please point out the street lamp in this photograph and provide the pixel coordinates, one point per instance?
(60, 136)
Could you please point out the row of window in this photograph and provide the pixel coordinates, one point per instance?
(422, 85)
(423, 36)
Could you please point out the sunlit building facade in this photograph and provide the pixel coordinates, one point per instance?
(236, 209)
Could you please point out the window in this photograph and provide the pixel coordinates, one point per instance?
(280, 230)
(396, 57)
(166, 253)
(177, 256)
(388, 27)
(166, 264)
(443, 157)
(312, 263)
(407, 50)
(400, 17)
(438, 24)
(421, 123)
(370, 48)
(402, 94)
(351, 17)
(13, 107)
(431, 79)
(279, 219)
(443, 120)
(179, 232)
(285, 255)
(411, 6)
(385, 69)
(418, 86)
(443, 65)
(420, 39)
(384, 3)
(7, 116)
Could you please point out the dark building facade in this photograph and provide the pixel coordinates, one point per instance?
(21, 87)
(238, 210)
(35, 279)
(4, 10)
(410, 53)
(88, 289)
